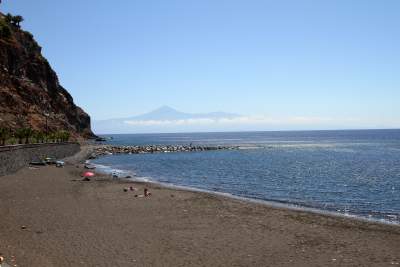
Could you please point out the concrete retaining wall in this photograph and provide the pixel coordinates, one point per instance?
(13, 158)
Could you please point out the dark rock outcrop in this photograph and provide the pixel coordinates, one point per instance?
(30, 90)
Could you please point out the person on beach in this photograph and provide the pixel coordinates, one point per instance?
(146, 192)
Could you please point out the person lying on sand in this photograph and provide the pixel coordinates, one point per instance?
(146, 193)
(131, 188)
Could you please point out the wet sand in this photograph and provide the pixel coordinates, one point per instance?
(74, 223)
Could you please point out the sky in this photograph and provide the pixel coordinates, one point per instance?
(333, 61)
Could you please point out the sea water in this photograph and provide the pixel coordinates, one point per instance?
(354, 173)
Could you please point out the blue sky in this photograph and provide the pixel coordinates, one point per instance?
(338, 60)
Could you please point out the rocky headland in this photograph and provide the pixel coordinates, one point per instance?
(30, 92)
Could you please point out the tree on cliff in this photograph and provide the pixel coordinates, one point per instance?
(16, 20)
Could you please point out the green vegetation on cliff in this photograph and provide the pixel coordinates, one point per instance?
(30, 136)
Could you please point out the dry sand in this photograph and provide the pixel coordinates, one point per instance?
(75, 223)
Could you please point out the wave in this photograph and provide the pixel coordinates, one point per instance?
(119, 173)
(374, 217)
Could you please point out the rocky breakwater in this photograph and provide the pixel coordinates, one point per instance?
(110, 150)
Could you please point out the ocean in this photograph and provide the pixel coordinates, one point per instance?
(352, 173)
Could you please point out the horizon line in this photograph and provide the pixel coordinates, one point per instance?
(261, 131)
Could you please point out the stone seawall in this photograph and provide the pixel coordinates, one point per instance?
(13, 158)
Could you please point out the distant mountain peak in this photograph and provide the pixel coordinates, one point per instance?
(164, 115)
(161, 113)
(169, 113)
(164, 109)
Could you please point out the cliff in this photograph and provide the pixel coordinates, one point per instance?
(30, 90)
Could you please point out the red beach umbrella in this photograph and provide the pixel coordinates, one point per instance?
(88, 174)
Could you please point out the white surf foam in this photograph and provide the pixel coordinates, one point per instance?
(276, 204)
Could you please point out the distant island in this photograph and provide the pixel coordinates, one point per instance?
(159, 119)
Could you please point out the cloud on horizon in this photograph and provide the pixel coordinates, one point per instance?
(239, 123)
(241, 120)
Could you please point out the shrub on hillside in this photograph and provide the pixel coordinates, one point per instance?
(8, 18)
(62, 136)
(5, 134)
(19, 134)
(5, 30)
(39, 136)
(23, 133)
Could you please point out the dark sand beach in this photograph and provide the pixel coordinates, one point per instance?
(74, 223)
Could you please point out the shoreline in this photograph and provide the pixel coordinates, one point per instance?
(274, 204)
(70, 222)
(268, 203)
